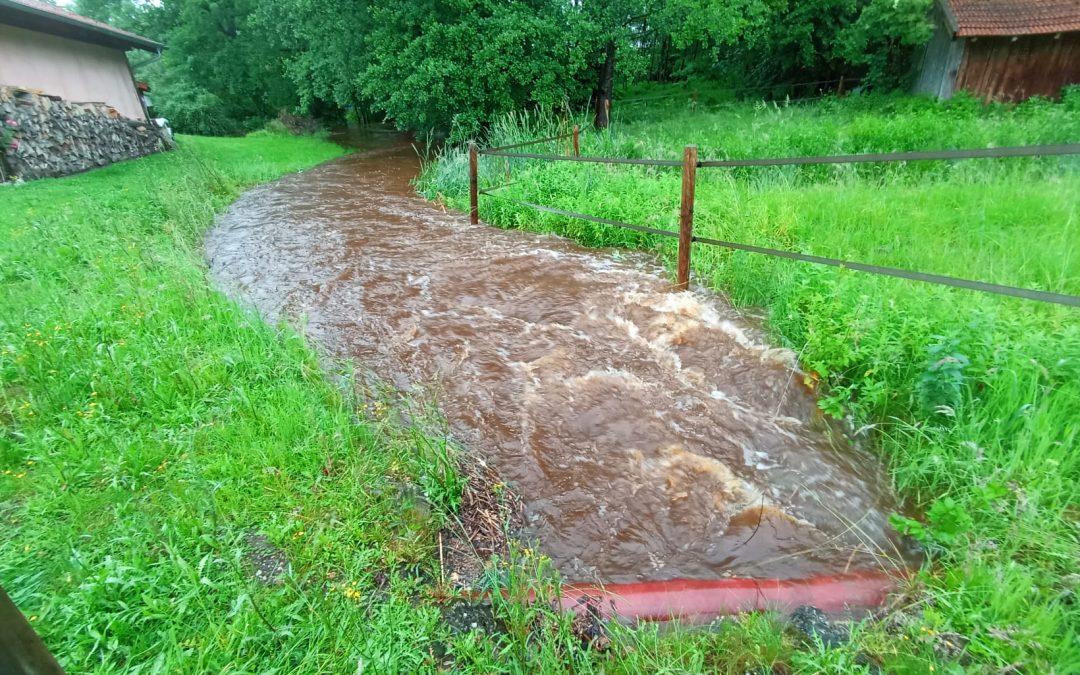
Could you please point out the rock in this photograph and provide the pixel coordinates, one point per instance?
(467, 617)
(268, 562)
(812, 623)
(50, 137)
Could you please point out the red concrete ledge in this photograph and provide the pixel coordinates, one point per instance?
(701, 601)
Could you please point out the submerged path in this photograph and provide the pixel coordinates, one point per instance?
(651, 434)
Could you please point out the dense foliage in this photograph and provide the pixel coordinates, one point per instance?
(451, 65)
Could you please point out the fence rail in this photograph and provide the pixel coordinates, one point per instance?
(918, 156)
(690, 164)
(936, 155)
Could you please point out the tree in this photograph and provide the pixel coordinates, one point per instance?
(148, 19)
(455, 64)
(218, 57)
(792, 40)
(622, 31)
(219, 73)
(442, 64)
(452, 65)
(323, 45)
(885, 38)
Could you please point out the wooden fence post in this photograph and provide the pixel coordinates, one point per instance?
(21, 650)
(577, 142)
(474, 186)
(686, 217)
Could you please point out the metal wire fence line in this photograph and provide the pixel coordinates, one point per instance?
(690, 163)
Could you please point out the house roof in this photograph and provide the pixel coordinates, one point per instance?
(46, 18)
(979, 18)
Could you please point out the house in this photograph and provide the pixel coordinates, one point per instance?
(1004, 50)
(48, 50)
(68, 101)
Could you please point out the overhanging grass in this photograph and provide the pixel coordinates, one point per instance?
(973, 400)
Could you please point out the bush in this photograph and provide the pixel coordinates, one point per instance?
(191, 109)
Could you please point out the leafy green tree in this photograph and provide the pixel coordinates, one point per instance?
(457, 63)
(615, 36)
(323, 45)
(442, 64)
(807, 40)
(219, 74)
(151, 20)
(453, 64)
(886, 39)
(219, 64)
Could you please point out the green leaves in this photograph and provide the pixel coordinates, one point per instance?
(454, 66)
(947, 522)
(941, 386)
(885, 37)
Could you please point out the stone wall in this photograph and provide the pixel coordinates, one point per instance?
(41, 136)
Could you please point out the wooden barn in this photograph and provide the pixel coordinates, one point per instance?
(1004, 50)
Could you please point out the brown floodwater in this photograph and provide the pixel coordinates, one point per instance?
(650, 434)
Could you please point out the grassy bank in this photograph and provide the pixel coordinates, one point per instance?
(973, 400)
(154, 433)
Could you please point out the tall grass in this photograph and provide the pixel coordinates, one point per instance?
(973, 400)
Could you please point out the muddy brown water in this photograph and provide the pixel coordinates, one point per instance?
(650, 434)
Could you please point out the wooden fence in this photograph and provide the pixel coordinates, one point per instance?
(690, 164)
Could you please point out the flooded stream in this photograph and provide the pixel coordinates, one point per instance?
(650, 434)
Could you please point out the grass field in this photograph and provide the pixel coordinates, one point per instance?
(973, 400)
(151, 429)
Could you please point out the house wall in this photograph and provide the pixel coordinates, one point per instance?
(1004, 69)
(941, 60)
(73, 70)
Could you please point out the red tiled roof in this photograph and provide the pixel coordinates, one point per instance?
(976, 18)
(60, 15)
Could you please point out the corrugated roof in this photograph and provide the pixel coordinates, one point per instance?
(979, 18)
(44, 14)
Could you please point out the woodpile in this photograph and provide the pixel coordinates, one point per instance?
(42, 136)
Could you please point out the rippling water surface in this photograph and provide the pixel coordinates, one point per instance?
(651, 434)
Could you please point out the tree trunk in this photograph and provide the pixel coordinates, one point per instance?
(605, 87)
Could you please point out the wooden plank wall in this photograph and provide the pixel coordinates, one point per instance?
(1005, 69)
(941, 60)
